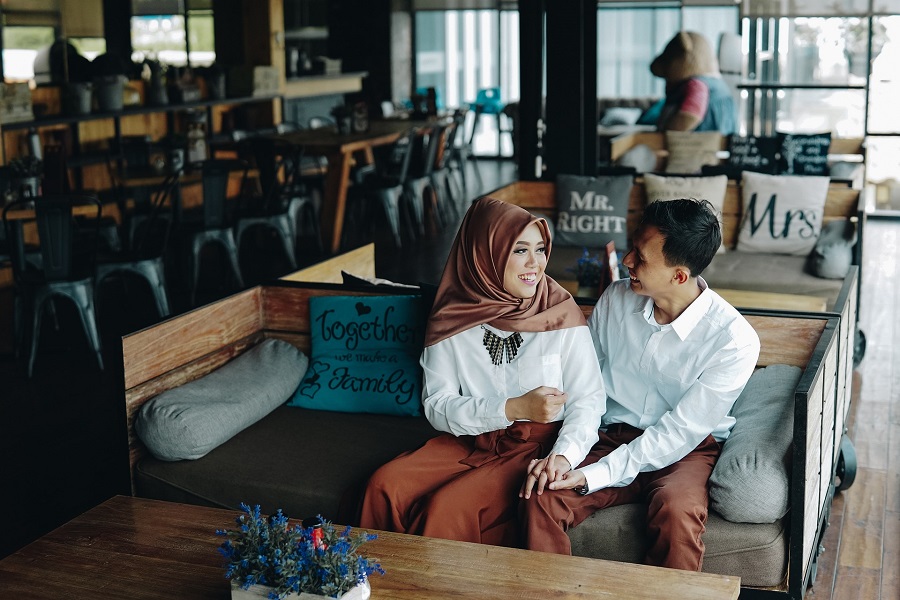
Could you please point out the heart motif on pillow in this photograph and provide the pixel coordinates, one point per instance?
(362, 309)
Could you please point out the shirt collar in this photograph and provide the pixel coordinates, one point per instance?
(692, 315)
(688, 319)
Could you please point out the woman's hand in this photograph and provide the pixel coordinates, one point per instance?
(541, 472)
(540, 405)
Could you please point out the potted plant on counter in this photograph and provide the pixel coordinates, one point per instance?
(589, 271)
(268, 557)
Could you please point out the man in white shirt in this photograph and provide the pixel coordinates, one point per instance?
(674, 357)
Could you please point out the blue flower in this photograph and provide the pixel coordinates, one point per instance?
(272, 551)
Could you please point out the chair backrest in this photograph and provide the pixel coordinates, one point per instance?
(488, 99)
(392, 162)
(152, 235)
(216, 173)
(435, 143)
(270, 156)
(68, 250)
(56, 170)
(448, 141)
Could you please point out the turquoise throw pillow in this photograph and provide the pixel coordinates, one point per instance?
(365, 355)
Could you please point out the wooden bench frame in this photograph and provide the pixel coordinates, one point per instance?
(193, 344)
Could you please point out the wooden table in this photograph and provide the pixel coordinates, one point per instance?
(342, 151)
(136, 549)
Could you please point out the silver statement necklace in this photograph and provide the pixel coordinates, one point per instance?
(496, 345)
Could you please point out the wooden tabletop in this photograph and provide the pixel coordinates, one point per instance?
(326, 140)
(136, 549)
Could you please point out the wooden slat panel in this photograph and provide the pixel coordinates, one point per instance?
(810, 523)
(359, 262)
(156, 350)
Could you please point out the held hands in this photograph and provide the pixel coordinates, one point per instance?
(555, 469)
(540, 405)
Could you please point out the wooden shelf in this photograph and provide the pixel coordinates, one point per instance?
(322, 85)
(128, 111)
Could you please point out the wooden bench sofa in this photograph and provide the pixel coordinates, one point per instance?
(310, 462)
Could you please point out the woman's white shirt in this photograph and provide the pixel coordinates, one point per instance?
(464, 393)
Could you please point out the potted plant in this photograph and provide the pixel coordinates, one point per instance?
(589, 271)
(267, 557)
(109, 81)
(26, 172)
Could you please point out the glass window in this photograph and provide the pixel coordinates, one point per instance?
(201, 38)
(462, 51)
(629, 38)
(884, 85)
(20, 47)
(159, 37)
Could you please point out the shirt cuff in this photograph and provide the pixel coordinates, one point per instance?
(571, 454)
(596, 475)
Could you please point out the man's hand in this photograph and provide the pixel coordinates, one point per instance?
(570, 480)
(542, 471)
(540, 405)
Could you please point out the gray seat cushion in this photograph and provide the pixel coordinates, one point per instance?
(757, 553)
(776, 273)
(300, 460)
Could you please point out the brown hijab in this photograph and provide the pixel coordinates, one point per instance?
(471, 290)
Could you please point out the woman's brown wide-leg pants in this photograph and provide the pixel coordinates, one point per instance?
(460, 488)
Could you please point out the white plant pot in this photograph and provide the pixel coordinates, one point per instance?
(361, 592)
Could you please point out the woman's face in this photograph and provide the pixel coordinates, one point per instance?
(526, 264)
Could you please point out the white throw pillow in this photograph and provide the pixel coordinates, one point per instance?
(690, 150)
(782, 213)
(711, 188)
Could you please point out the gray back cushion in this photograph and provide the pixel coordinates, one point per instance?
(186, 422)
(751, 480)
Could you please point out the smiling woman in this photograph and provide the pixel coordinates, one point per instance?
(510, 376)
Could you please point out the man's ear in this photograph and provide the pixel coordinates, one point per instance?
(682, 275)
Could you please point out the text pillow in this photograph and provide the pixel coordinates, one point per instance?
(804, 154)
(701, 188)
(753, 153)
(365, 355)
(690, 150)
(782, 213)
(188, 421)
(751, 480)
(592, 211)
